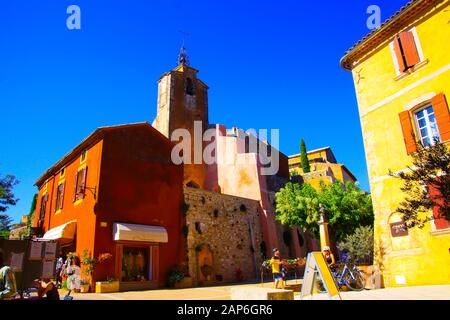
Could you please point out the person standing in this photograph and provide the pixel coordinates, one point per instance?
(59, 269)
(8, 287)
(276, 264)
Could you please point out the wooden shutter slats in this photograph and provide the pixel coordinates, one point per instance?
(408, 132)
(75, 191)
(409, 48)
(442, 114)
(61, 196)
(83, 181)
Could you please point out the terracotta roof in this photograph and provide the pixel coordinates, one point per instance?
(387, 29)
(93, 138)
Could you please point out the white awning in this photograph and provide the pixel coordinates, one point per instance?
(64, 231)
(139, 232)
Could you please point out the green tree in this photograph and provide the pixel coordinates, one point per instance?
(304, 157)
(31, 213)
(7, 197)
(346, 207)
(359, 244)
(430, 169)
(5, 225)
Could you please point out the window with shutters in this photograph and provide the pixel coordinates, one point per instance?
(79, 184)
(427, 128)
(407, 53)
(59, 197)
(83, 156)
(42, 209)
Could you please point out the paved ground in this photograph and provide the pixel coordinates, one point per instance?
(223, 293)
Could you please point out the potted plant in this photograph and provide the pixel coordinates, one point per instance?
(88, 262)
(84, 285)
(111, 284)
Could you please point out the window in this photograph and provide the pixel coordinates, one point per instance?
(59, 196)
(406, 52)
(439, 220)
(189, 87)
(62, 173)
(83, 156)
(79, 184)
(44, 201)
(427, 126)
(136, 264)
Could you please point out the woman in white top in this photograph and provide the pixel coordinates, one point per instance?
(74, 273)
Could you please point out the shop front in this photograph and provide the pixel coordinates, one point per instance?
(137, 255)
(65, 234)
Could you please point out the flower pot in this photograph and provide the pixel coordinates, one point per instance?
(84, 288)
(107, 286)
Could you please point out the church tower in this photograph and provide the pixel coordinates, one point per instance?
(183, 99)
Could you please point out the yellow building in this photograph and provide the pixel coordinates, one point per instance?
(401, 73)
(323, 166)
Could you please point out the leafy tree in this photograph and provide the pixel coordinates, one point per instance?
(359, 245)
(31, 213)
(5, 225)
(7, 198)
(430, 170)
(346, 207)
(304, 157)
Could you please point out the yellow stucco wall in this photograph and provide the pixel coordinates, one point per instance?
(422, 257)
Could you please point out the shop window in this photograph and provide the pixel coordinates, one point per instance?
(136, 264)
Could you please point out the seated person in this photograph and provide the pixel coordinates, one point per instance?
(47, 288)
(329, 257)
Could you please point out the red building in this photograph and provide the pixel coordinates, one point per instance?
(117, 192)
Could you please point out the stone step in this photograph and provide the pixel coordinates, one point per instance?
(258, 293)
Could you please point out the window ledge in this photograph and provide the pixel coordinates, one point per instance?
(77, 202)
(58, 211)
(411, 70)
(440, 232)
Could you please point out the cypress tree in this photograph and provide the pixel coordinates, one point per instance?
(304, 157)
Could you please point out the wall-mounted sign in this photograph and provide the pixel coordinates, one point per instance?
(398, 229)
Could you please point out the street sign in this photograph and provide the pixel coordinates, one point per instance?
(316, 262)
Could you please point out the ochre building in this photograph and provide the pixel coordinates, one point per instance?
(401, 73)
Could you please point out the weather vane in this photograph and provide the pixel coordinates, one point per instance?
(182, 57)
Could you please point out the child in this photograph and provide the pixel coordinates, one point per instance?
(276, 264)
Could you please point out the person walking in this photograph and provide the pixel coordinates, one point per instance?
(73, 280)
(276, 264)
(8, 287)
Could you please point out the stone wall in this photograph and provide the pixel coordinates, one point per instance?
(230, 227)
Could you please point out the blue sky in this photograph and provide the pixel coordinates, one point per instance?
(269, 64)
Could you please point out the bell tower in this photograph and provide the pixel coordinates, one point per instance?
(183, 99)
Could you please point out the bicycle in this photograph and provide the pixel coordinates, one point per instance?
(344, 275)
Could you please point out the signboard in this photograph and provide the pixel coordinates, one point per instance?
(16, 263)
(48, 269)
(35, 250)
(50, 250)
(316, 262)
(398, 229)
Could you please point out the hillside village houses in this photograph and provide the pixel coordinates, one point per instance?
(401, 74)
(120, 192)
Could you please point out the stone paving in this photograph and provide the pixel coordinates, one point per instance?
(440, 292)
